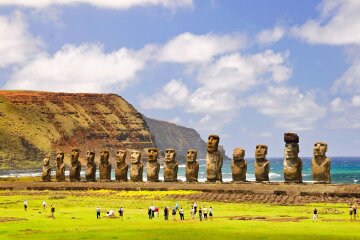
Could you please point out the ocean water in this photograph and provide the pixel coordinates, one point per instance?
(343, 170)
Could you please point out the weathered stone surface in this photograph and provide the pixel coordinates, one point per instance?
(46, 170)
(262, 165)
(136, 167)
(321, 163)
(105, 166)
(291, 138)
(292, 163)
(192, 166)
(60, 167)
(214, 159)
(75, 166)
(90, 173)
(170, 166)
(239, 165)
(121, 167)
(152, 165)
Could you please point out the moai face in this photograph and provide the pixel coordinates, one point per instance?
(261, 151)
(320, 149)
(213, 143)
(135, 156)
(59, 157)
(104, 156)
(191, 155)
(153, 154)
(120, 156)
(238, 154)
(291, 150)
(46, 161)
(90, 156)
(75, 155)
(170, 155)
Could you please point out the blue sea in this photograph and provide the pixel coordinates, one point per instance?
(343, 170)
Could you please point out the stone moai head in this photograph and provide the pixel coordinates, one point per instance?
(90, 156)
(291, 150)
(60, 157)
(261, 151)
(135, 156)
(213, 143)
(46, 161)
(238, 154)
(191, 155)
(104, 156)
(75, 155)
(153, 154)
(120, 156)
(170, 155)
(320, 149)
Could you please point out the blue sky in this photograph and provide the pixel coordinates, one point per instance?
(246, 70)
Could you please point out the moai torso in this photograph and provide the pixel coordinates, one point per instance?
(239, 165)
(60, 167)
(292, 163)
(75, 167)
(192, 166)
(321, 164)
(262, 165)
(46, 170)
(214, 159)
(152, 165)
(90, 173)
(105, 166)
(170, 166)
(136, 167)
(121, 167)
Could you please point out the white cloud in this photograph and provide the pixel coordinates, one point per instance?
(84, 68)
(190, 48)
(350, 80)
(16, 43)
(269, 36)
(336, 105)
(115, 4)
(345, 112)
(338, 24)
(355, 100)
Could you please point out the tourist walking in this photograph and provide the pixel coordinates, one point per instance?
(173, 212)
(192, 213)
(121, 213)
(44, 205)
(25, 205)
(200, 214)
(205, 212)
(210, 212)
(181, 213)
(315, 215)
(152, 208)
(166, 213)
(351, 212)
(177, 206)
(98, 213)
(195, 207)
(149, 213)
(355, 211)
(52, 212)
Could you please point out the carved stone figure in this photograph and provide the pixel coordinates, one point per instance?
(292, 163)
(262, 165)
(321, 164)
(136, 167)
(170, 166)
(90, 172)
(105, 166)
(60, 167)
(192, 166)
(46, 170)
(239, 165)
(152, 165)
(214, 159)
(75, 167)
(121, 167)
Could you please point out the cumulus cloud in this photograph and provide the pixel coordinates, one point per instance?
(269, 36)
(16, 43)
(345, 112)
(190, 48)
(84, 68)
(114, 4)
(338, 24)
(350, 80)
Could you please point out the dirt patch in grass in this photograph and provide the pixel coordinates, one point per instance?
(11, 219)
(262, 218)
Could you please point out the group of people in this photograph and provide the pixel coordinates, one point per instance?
(203, 212)
(44, 205)
(353, 211)
(110, 213)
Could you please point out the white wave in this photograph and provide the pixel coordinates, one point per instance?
(356, 180)
(274, 175)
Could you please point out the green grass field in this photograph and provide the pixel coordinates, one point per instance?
(76, 218)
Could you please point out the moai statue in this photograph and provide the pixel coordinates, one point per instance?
(214, 159)
(90, 172)
(239, 165)
(192, 166)
(136, 167)
(75, 167)
(46, 170)
(321, 164)
(170, 166)
(292, 163)
(121, 167)
(105, 166)
(262, 165)
(60, 167)
(152, 165)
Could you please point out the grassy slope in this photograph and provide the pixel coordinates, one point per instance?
(75, 219)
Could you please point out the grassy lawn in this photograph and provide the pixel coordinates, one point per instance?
(76, 218)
